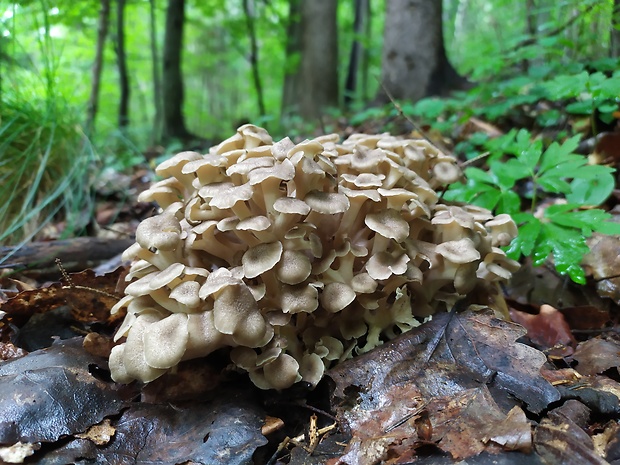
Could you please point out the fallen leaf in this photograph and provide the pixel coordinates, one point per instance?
(596, 356)
(51, 393)
(441, 369)
(559, 439)
(586, 317)
(90, 298)
(547, 329)
(603, 262)
(467, 423)
(513, 433)
(224, 431)
(606, 440)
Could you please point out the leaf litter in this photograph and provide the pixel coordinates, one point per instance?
(464, 371)
(463, 386)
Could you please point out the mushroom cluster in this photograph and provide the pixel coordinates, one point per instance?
(297, 256)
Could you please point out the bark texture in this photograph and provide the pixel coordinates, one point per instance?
(102, 33)
(123, 74)
(319, 57)
(293, 51)
(414, 62)
(173, 92)
(249, 10)
(156, 131)
(356, 54)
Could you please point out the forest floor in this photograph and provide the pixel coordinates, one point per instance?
(466, 387)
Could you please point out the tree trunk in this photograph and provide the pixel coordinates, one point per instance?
(121, 56)
(319, 57)
(156, 131)
(615, 30)
(355, 57)
(366, 52)
(249, 18)
(414, 62)
(173, 93)
(93, 100)
(531, 29)
(290, 104)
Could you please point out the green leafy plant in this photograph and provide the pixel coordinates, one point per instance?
(589, 91)
(560, 189)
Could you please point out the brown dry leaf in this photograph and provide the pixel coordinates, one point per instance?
(586, 317)
(535, 286)
(471, 422)
(596, 356)
(89, 296)
(608, 147)
(560, 376)
(455, 369)
(560, 439)
(603, 262)
(547, 329)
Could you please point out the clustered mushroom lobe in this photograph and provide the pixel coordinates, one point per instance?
(297, 256)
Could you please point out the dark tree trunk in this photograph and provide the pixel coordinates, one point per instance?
(355, 56)
(366, 52)
(615, 30)
(290, 103)
(156, 131)
(414, 62)
(121, 56)
(173, 92)
(531, 28)
(102, 33)
(249, 18)
(319, 57)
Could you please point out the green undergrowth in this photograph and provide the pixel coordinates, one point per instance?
(551, 193)
(45, 169)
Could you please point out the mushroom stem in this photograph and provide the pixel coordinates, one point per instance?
(380, 244)
(242, 210)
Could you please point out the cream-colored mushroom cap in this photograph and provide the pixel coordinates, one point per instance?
(389, 223)
(162, 232)
(294, 267)
(327, 202)
(503, 229)
(459, 252)
(261, 258)
(336, 296)
(283, 372)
